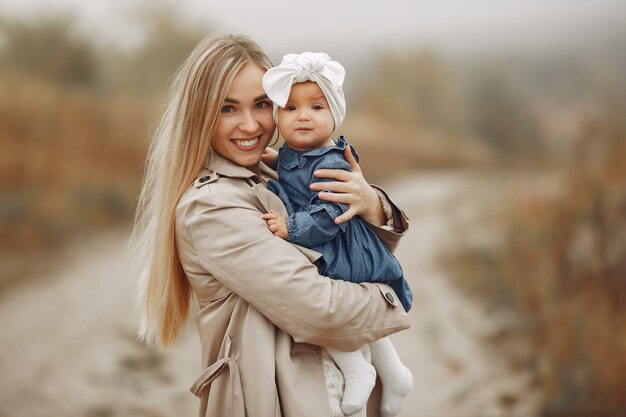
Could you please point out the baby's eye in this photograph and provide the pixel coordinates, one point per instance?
(317, 107)
(290, 107)
(227, 109)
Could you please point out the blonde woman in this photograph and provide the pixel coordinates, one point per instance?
(264, 311)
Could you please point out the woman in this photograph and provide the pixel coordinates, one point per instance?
(264, 309)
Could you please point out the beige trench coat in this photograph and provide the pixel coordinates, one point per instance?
(264, 309)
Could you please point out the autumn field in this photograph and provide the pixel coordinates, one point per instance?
(538, 141)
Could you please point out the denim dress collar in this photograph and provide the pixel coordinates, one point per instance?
(291, 159)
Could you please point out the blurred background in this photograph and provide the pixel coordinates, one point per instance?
(500, 127)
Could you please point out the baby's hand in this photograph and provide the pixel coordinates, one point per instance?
(276, 223)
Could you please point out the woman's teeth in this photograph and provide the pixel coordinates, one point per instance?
(246, 142)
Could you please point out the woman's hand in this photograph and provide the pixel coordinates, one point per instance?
(352, 189)
(269, 157)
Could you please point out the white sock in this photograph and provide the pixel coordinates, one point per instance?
(396, 378)
(359, 379)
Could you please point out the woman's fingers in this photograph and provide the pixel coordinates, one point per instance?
(347, 153)
(270, 151)
(335, 187)
(340, 174)
(269, 156)
(348, 187)
(350, 213)
(337, 174)
(351, 200)
(337, 197)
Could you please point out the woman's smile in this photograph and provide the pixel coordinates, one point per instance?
(245, 124)
(246, 144)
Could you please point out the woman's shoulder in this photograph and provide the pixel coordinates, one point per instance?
(213, 191)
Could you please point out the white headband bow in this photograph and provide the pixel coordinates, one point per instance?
(308, 66)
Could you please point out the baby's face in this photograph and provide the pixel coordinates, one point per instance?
(306, 122)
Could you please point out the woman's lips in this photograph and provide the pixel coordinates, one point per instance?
(246, 143)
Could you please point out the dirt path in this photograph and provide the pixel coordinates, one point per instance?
(456, 373)
(68, 347)
(67, 344)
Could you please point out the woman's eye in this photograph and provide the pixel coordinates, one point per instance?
(263, 104)
(228, 109)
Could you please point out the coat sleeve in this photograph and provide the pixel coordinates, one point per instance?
(234, 244)
(400, 221)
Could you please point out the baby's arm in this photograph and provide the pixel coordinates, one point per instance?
(276, 223)
(316, 223)
(310, 228)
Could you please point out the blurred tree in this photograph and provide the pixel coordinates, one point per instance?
(416, 89)
(168, 40)
(501, 112)
(47, 48)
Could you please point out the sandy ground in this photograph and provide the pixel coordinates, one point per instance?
(457, 373)
(67, 344)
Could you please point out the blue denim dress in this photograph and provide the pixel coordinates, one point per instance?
(350, 251)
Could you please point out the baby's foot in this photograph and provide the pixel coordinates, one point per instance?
(395, 392)
(357, 390)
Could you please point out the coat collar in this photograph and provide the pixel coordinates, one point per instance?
(224, 167)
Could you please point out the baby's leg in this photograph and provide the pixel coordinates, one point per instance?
(396, 378)
(359, 378)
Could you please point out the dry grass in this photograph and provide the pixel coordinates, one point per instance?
(561, 268)
(71, 161)
(389, 148)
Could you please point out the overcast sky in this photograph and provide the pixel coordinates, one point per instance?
(359, 26)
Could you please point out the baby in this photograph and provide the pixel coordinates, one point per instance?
(309, 105)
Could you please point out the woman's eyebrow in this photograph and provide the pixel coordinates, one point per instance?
(234, 101)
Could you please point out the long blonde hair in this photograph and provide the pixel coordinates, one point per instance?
(180, 147)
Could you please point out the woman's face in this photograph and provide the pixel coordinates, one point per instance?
(245, 125)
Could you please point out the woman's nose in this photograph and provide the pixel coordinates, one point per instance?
(248, 123)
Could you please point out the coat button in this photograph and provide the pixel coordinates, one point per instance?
(204, 179)
(389, 297)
